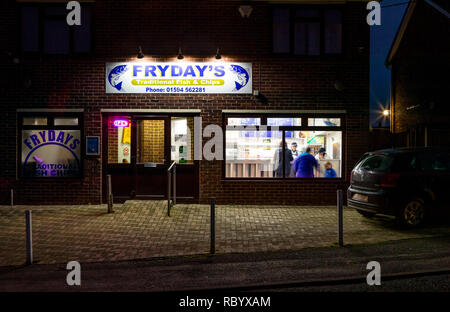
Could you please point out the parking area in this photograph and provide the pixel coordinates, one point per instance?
(142, 229)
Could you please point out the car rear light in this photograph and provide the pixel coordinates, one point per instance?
(389, 180)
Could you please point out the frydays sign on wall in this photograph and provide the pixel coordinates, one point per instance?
(179, 77)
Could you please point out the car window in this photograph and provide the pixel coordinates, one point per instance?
(378, 163)
(437, 161)
(441, 162)
(404, 162)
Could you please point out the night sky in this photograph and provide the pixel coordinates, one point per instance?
(381, 38)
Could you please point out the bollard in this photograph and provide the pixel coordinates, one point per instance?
(169, 186)
(213, 226)
(110, 195)
(175, 185)
(340, 218)
(12, 197)
(29, 237)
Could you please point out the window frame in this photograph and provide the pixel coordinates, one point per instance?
(41, 6)
(50, 126)
(304, 127)
(292, 19)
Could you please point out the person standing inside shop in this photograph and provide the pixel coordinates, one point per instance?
(321, 155)
(304, 165)
(294, 152)
(287, 161)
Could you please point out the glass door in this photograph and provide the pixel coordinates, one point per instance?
(152, 155)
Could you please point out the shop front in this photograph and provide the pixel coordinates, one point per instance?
(140, 147)
(234, 106)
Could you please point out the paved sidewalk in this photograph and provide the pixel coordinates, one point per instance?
(142, 229)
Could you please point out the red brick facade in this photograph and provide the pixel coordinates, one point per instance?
(199, 27)
(420, 71)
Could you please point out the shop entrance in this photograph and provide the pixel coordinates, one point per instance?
(140, 149)
(150, 156)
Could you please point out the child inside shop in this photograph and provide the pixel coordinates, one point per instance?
(329, 171)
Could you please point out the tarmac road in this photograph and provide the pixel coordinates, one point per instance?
(246, 271)
(427, 283)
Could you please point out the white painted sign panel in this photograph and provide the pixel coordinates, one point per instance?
(179, 77)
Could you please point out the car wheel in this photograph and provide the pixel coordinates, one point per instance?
(365, 213)
(413, 213)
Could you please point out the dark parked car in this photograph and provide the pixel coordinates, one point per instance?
(410, 184)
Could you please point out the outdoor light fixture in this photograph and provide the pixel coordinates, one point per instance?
(386, 112)
(218, 56)
(140, 54)
(245, 10)
(339, 85)
(180, 55)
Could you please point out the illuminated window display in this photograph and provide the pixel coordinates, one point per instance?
(49, 151)
(119, 140)
(182, 141)
(254, 147)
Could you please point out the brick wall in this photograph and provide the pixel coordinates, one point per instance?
(419, 72)
(199, 27)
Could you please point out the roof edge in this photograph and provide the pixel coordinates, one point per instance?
(400, 32)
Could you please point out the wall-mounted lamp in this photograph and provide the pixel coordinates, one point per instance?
(339, 85)
(386, 112)
(218, 56)
(180, 55)
(140, 53)
(245, 10)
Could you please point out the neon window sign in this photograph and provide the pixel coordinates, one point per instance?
(121, 123)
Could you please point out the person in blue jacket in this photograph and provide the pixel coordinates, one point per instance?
(329, 171)
(304, 164)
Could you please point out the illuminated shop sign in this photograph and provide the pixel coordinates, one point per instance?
(121, 123)
(51, 153)
(179, 77)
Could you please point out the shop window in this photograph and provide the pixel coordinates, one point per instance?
(119, 140)
(182, 140)
(66, 121)
(317, 141)
(252, 154)
(44, 29)
(49, 151)
(324, 122)
(150, 141)
(256, 151)
(34, 121)
(316, 31)
(284, 121)
(244, 121)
